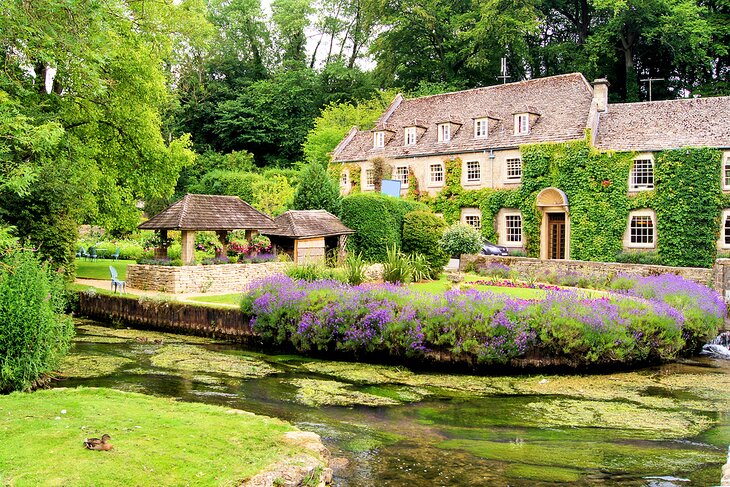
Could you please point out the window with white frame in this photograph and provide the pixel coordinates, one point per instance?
(641, 230)
(473, 220)
(481, 128)
(370, 178)
(726, 230)
(379, 140)
(513, 228)
(343, 178)
(522, 123)
(444, 132)
(401, 174)
(473, 171)
(472, 216)
(411, 135)
(514, 169)
(642, 174)
(726, 173)
(437, 173)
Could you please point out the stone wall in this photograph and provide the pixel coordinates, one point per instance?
(232, 278)
(529, 266)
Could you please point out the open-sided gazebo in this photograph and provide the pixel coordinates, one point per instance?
(202, 212)
(306, 235)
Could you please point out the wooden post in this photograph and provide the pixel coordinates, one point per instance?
(341, 244)
(188, 247)
(223, 239)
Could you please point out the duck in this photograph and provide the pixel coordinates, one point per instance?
(98, 443)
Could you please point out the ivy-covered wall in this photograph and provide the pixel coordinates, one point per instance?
(687, 200)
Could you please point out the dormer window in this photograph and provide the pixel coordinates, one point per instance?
(481, 127)
(444, 132)
(379, 140)
(411, 135)
(522, 123)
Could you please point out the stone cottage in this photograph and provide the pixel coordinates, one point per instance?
(484, 134)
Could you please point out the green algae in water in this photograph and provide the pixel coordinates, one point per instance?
(542, 473)
(397, 393)
(370, 440)
(196, 359)
(615, 415)
(90, 329)
(85, 366)
(641, 458)
(314, 392)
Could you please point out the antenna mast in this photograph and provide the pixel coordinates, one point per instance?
(503, 70)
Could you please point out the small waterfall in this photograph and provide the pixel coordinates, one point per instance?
(719, 347)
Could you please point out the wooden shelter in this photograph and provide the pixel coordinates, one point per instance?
(203, 212)
(307, 235)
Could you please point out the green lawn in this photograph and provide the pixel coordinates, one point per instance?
(442, 285)
(234, 299)
(156, 441)
(99, 269)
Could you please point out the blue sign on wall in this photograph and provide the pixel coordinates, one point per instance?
(391, 187)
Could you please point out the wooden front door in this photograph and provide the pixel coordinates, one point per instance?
(556, 235)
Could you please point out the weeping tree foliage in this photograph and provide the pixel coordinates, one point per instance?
(83, 91)
(35, 334)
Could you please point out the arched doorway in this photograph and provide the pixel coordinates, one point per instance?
(555, 227)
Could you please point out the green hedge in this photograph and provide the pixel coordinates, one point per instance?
(422, 232)
(232, 183)
(377, 221)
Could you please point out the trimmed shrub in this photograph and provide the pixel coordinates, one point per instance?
(377, 221)
(35, 334)
(461, 239)
(317, 191)
(422, 232)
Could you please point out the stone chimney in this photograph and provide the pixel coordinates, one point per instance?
(600, 94)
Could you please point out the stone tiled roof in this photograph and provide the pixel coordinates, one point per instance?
(209, 212)
(562, 102)
(308, 224)
(694, 122)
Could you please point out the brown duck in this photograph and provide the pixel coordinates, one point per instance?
(98, 443)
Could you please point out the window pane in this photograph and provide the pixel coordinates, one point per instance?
(437, 173)
(726, 175)
(642, 230)
(401, 174)
(514, 228)
(514, 168)
(473, 171)
(343, 179)
(727, 230)
(474, 220)
(370, 177)
(642, 175)
(480, 128)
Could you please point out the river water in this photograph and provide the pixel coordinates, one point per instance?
(660, 426)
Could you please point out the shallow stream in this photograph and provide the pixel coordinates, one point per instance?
(659, 426)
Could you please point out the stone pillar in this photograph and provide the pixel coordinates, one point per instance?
(250, 234)
(188, 247)
(223, 239)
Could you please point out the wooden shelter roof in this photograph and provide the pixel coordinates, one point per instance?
(209, 212)
(308, 224)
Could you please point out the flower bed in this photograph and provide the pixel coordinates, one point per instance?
(652, 319)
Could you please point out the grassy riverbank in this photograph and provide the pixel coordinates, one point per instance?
(156, 441)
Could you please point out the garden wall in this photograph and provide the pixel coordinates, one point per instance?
(200, 278)
(530, 266)
(165, 315)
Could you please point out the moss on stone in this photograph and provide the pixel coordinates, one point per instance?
(196, 359)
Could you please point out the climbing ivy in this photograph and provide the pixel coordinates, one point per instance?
(687, 205)
(687, 200)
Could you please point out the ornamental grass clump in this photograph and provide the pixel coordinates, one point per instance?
(483, 327)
